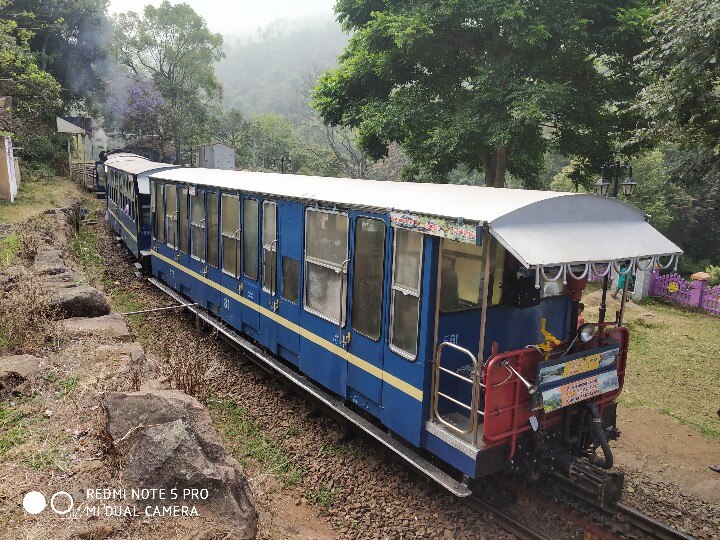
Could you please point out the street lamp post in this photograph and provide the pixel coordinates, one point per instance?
(603, 187)
(283, 160)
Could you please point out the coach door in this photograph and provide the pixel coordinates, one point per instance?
(212, 252)
(250, 259)
(287, 299)
(269, 272)
(365, 319)
(325, 297)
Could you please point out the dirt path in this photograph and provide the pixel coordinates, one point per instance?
(665, 450)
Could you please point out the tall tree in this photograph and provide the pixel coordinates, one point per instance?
(492, 84)
(172, 45)
(35, 94)
(681, 104)
(682, 64)
(70, 39)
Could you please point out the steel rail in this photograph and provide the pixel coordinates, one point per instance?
(503, 519)
(649, 524)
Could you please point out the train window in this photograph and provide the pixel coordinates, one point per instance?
(326, 251)
(213, 258)
(368, 273)
(153, 219)
(230, 234)
(269, 246)
(290, 279)
(250, 238)
(183, 217)
(197, 226)
(160, 212)
(462, 276)
(171, 215)
(405, 310)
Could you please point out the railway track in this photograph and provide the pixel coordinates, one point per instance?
(596, 528)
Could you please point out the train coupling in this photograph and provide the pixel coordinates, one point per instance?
(588, 480)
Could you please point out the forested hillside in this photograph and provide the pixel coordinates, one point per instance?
(268, 72)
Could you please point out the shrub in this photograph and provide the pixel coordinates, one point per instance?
(27, 319)
(714, 272)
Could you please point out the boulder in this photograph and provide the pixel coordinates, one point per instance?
(165, 439)
(14, 371)
(22, 364)
(49, 262)
(82, 301)
(107, 326)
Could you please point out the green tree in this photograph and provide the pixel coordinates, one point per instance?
(70, 39)
(172, 45)
(35, 94)
(492, 84)
(682, 100)
(681, 104)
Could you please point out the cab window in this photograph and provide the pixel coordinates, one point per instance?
(461, 285)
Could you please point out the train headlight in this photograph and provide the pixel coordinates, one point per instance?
(587, 332)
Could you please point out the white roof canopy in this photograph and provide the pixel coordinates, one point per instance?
(540, 228)
(139, 166)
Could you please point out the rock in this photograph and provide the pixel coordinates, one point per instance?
(165, 439)
(108, 326)
(49, 262)
(82, 301)
(64, 280)
(14, 371)
(22, 364)
(10, 276)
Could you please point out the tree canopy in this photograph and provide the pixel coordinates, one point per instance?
(70, 39)
(172, 46)
(682, 64)
(35, 93)
(492, 84)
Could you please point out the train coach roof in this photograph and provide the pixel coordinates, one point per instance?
(123, 155)
(541, 228)
(141, 167)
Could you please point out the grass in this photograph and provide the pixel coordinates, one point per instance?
(69, 385)
(673, 363)
(13, 431)
(10, 246)
(85, 251)
(322, 496)
(249, 444)
(36, 195)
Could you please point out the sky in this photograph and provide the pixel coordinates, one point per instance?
(239, 16)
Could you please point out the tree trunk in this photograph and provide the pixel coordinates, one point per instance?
(178, 161)
(495, 165)
(43, 54)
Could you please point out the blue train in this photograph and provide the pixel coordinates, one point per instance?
(439, 319)
(124, 179)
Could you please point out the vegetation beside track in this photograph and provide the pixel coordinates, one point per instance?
(673, 361)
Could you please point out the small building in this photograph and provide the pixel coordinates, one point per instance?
(9, 171)
(216, 156)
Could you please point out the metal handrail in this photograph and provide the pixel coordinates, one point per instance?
(473, 406)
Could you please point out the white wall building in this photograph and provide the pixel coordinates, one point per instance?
(216, 156)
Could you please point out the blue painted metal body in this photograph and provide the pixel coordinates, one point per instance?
(368, 373)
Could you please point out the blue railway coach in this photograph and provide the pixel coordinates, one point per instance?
(444, 314)
(128, 198)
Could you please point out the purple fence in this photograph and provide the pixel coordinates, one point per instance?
(711, 300)
(696, 293)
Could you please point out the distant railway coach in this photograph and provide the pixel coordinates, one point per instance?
(445, 314)
(125, 180)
